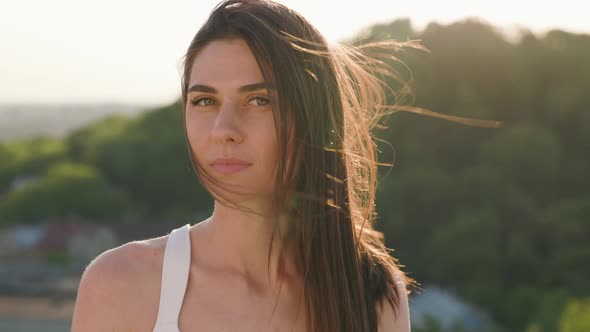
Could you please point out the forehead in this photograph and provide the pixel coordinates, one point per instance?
(225, 61)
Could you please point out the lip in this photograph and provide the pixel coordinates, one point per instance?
(229, 165)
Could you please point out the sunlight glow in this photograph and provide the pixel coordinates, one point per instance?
(130, 51)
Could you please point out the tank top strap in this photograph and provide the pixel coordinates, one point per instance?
(175, 271)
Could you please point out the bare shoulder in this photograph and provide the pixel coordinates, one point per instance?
(395, 321)
(119, 285)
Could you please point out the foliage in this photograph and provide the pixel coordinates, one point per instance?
(66, 189)
(576, 316)
(500, 215)
(28, 157)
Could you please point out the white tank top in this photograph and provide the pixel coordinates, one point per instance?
(175, 270)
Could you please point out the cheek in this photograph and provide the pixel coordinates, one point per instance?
(268, 142)
(196, 135)
(263, 145)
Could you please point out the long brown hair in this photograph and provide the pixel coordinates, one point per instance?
(330, 98)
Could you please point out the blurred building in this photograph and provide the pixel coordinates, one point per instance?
(448, 310)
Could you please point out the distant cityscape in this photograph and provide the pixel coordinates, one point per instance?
(28, 121)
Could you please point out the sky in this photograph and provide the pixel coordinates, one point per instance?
(129, 51)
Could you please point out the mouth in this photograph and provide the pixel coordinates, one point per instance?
(229, 165)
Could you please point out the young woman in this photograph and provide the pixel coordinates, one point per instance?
(278, 126)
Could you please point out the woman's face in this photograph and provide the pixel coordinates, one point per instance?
(229, 117)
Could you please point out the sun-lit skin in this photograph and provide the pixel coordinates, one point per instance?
(230, 120)
(229, 114)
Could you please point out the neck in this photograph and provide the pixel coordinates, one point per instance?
(240, 242)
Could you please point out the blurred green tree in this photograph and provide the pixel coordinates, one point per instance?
(65, 189)
(576, 316)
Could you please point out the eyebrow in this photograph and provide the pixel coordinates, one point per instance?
(244, 88)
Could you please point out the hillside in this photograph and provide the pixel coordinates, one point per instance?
(27, 121)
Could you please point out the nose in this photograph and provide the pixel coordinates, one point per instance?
(226, 127)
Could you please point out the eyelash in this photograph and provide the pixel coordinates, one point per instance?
(198, 100)
(266, 100)
(195, 102)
